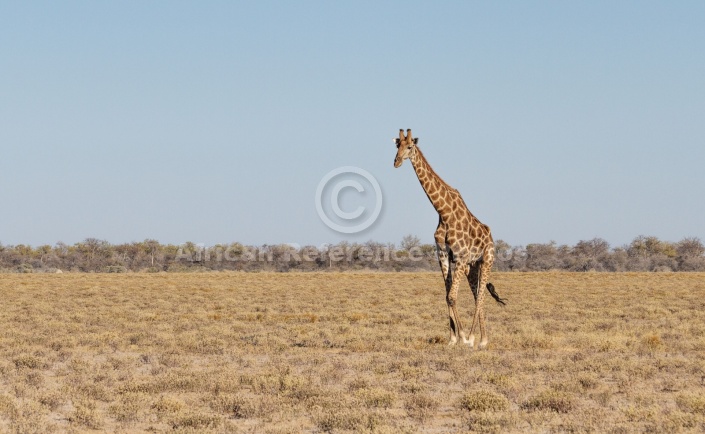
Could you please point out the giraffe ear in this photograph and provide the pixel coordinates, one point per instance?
(416, 141)
(396, 141)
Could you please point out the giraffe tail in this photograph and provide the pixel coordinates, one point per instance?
(493, 293)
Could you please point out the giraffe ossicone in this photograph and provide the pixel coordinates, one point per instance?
(461, 239)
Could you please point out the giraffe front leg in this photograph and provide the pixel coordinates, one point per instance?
(444, 262)
(460, 271)
(455, 326)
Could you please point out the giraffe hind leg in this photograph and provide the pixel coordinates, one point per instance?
(473, 277)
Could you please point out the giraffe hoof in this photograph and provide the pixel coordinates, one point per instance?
(470, 342)
(482, 346)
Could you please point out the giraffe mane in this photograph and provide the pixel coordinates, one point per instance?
(433, 172)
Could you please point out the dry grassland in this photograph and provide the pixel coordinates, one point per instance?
(233, 352)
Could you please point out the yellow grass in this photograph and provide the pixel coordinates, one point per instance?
(232, 352)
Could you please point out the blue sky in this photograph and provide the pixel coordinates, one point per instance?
(215, 121)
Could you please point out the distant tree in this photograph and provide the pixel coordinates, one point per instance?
(94, 254)
(409, 242)
(68, 256)
(284, 256)
(378, 261)
(617, 260)
(61, 249)
(125, 254)
(503, 253)
(167, 254)
(594, 248)
(690, 247)
(648, 253)
(10, 257)
(590, 255)
(518, 257)
(24, 251)
(690, 254)
(542, 257)
(643, 246)
(47, 256)
(429, 251)
(638, 248)
(153, 250)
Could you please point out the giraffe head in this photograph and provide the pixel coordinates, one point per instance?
(406, 146)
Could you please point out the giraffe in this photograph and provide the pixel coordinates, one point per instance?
(460, 238)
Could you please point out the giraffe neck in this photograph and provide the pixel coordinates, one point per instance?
(436, 189)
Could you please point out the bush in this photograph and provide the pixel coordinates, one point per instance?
(553, 400)
(25, 268)
(421, 407)
(691, 402)
(484, 400)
